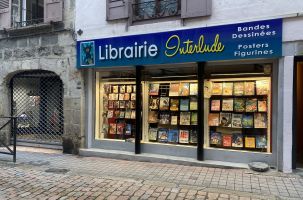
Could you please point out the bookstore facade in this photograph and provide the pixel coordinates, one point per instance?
(206, 93)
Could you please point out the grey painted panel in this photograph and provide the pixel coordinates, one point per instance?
(5, 14)
(195, 8)
(170, 150)
(116, 9)
(114, 145)
(53, 10)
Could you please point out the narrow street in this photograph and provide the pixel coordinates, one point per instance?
(48, 174)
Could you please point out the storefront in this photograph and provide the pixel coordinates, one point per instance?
(205, 93)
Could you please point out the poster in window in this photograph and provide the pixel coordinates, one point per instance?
(154, 89)
(174, 89)
(250, 142)
(249, 88)
(260, 120)
(226, 140)
(228, 104)
(217, 88)
(213, 119)
(173, 136)
(228, 88)
(215, 105)
(184, 89)
(261, 142)
(215, 138)
(153, 134)
(163, 135)
(262, 105)
(193, 89)
(251, 105)
(262, 87)
(174, 104)
(184, 118)
(239, 105)
(237, 140)
(184, 136)
(238, 88)
(164, 103)
(154, 103)
(225, 119)
(237, 120)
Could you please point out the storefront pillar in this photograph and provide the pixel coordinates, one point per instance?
(138, 110)
(200, 135)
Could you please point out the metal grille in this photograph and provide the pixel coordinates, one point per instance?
(4, 4)
(37, 99)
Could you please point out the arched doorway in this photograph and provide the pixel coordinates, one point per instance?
(37, 98)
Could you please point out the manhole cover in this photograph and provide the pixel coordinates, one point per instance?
(57, 171)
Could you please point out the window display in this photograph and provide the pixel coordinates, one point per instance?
(172, 112)
(239, 113)
(118, 110)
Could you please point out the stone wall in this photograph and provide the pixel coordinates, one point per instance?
(47, 47)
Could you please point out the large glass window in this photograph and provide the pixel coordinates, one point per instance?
(116, 105)
(238, 110)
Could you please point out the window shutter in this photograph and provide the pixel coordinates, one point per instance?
(53, 10)
(116, 9)
(5, 14)
(195, 8)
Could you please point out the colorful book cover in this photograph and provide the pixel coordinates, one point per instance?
(133, 96)
(127, 104)
(164, 103)
(115, 89)
(226, 140)
(133, 114)
(249, 88)
(122, 89)
(238, 88)
(128, 114)
(228, 104)
(122, 114)
(184, 89)
(110, 114)
(215, 105)
(193, 89)
(248, 121)
(110, 104)
(260, 120)
(184, 136)
(116, 104)
(236, 120)
(174, 104)
(164, 118)
(154, 89)
(239, 105)
(129, 88)
(115, 97)
(106, 88)
(237, 140)
(112, 128)
(251, 105)
(120, 128)
(213, 119)
(117, 113)
(163, 135)
(215, 138)
(228, 88)
(193, 103)
(262, 105)
(207, 89)
(217, 88)
(184, 118)
(121, 104)
(154, 103)
(173, 136)
(194, 118)
(262, 87)
(153, 134)
(132, 104)
(152, 116)
(128, 129)
(126, 96)
(261, 142)
(110, 96)
(250, 142)
(225, 119)
(174, 89)
(193, 137)
(174, 120)
(121, 96)
(184, 104)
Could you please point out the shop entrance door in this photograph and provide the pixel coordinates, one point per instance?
(298, 116)
(37, 99)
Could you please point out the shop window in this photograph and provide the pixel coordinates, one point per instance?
(238, 111)
(172, 115)
(116, 107)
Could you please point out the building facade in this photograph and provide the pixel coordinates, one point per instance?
(39, 81)
(202, 79)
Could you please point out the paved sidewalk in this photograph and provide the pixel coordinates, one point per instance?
(48, 174)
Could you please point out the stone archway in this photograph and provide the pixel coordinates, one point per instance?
(37, 99)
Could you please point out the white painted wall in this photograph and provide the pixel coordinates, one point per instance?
(91, 18)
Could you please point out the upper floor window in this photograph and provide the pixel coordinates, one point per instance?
(32, 12)
(138, 10)
(153, 9)
(21, 13)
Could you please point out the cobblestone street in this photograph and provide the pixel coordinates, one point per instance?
(48, 174)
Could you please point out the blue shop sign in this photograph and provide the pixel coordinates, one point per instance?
(261, 39)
